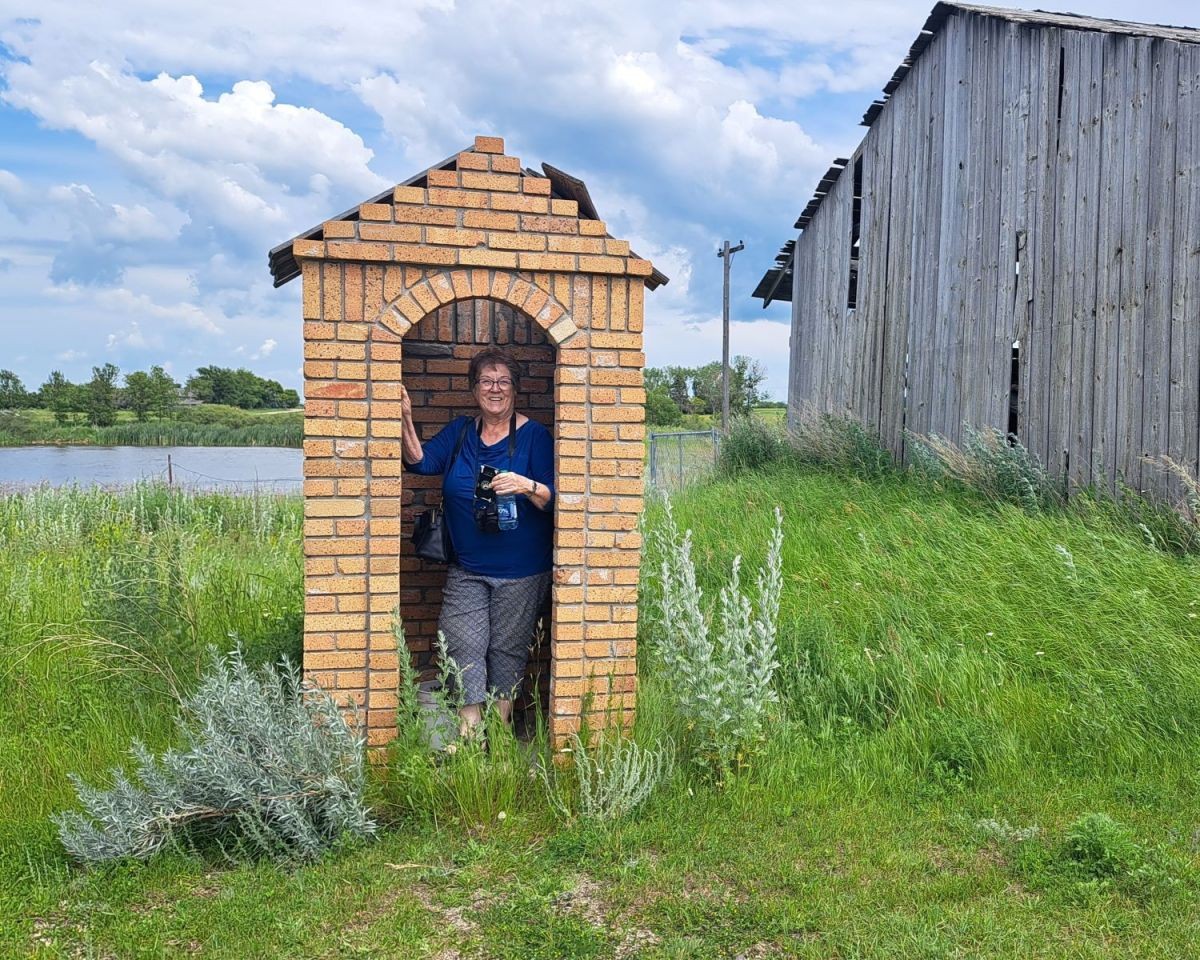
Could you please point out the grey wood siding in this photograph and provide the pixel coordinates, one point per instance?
(1031, 183)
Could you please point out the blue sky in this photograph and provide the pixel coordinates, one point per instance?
(149, 161)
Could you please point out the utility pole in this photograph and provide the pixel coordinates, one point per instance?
(726, 253)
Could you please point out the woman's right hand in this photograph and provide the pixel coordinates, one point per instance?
(405, 403)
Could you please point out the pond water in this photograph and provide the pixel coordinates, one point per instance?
(276, 469)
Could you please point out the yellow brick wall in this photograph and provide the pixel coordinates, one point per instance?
(481, 231)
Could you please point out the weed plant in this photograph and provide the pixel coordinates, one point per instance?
(826, 442)
(262, 764)
(722, 663)
(997, 466)
(753, 443)
(612, 776)
(471, 780)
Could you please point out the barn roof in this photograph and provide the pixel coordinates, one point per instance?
(563, 186)
(776, 283)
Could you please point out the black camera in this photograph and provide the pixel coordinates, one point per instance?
(487, 515)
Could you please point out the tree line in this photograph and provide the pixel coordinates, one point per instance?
(672, 392)
(152, 394)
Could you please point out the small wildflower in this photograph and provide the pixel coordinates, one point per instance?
(991, 633)
(502, 815)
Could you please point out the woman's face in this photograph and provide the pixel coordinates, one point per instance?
(494, 390)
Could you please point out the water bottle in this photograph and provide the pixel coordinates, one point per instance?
(506, 510)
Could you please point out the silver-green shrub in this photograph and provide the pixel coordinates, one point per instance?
(612, 777)
(721, 667)
(266, 765)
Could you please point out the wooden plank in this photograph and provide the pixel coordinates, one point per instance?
(940, 390)
(1088, 212)
(1014, 289)
(1160, 243)
(1134, 226)
(991, 383)
(1183, 441)
(905, 117)
(966, 359)
(939, 76)
(1059, 321)
(923, 175)
(873, 292)
(1044, 77)
(1110, 256)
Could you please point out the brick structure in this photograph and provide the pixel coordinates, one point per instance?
(406, 289)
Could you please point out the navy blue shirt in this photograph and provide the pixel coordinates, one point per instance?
(506, 554)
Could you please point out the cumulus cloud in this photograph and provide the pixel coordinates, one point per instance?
(691, 122)
(241, 162)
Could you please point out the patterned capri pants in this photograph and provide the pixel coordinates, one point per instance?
(488, 624)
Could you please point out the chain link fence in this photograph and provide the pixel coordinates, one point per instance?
(677, 459)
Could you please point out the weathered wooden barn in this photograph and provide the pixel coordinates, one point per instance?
(1014, 244)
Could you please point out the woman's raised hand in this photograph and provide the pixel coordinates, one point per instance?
(405, 403)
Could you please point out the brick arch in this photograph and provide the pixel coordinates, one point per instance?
(440, 289)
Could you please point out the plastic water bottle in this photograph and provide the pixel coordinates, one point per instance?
(506, 511)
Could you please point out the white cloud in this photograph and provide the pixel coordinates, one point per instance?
(240, 162)
(130, 337)
(691, 122)
(68, 356)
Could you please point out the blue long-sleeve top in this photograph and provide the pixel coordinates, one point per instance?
(507, 554)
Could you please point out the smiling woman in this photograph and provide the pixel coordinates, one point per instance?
(500, 572)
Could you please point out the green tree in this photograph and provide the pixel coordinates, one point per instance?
(239, 388)
(13, 395)
(59, 395)
(102, 396)
(138, 394)
(655, 378)
(680, 386)
(164, 393)
(661, 410)
(745, 379)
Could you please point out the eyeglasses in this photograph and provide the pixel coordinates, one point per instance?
(504, 383)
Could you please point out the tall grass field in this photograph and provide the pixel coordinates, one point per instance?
(985, 744)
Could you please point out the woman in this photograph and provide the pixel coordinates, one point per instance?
(496, 584)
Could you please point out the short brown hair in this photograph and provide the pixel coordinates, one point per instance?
(494, 356)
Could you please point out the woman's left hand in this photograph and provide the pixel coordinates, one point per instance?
(511, 483)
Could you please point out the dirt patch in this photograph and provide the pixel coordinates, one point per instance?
(585, 900)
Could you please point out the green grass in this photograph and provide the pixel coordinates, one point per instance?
(205, 425)
(944, 662)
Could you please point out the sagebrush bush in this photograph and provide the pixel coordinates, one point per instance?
(612, 777)
(266, 766)
(988, 461)
(721, 663)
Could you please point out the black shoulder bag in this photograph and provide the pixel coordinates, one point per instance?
(431, 533)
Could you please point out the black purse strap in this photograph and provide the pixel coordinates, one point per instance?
(462, 435)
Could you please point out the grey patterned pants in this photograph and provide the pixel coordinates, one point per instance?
(488, 624)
